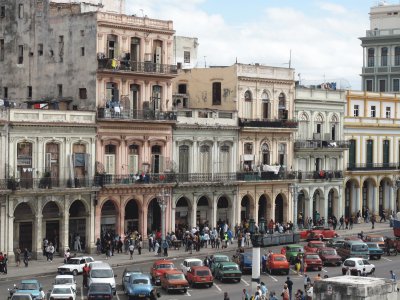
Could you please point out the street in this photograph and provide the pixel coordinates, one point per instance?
(274, 282)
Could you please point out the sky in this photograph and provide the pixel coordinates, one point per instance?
(321, 35)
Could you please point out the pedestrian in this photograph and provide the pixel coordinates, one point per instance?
(140, 245)
(77, 243)
(2, 262)
(131, 249)
(85, 274)
(264, 263)
(299, 295)
(393, 276)
(373, 220)
(272, 296)
(257, 296)
(5, 264)
(310, 292)
(26, 257)
(347, 222)
(165, 247)
(341, 220)
(245, 295)
(318, 277)
(307, 281)
(156, 247)
(290, 286)
(50, 252)
(67, 255)
(98, 246)
(226, 297)
(351, 222)
(18, 257)
(285, 292)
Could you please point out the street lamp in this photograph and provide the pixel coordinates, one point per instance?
(162, 200)
(294, 189)
(255, 264)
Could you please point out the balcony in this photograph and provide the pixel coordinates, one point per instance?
(260, 176)
(109, 113)
(319, 175)
(46, 183)
(128, 66)
(380, 69)
(312, 144)
(372, 166)
(271, 123)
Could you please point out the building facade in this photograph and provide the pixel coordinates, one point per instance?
(371, 128)
(185, 52)
(381, 50)
(319, 152)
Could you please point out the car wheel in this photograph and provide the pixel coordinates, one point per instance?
(184, 291)
(75, 272)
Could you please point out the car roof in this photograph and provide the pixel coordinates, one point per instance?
(327, 248)
(316, 242)
(29, 281)
(192, 259)
(220, 255)
(140, 276)
(294, 246)
(355, 242)
(195, 268)
(227, 263)
(310, 253)
(101, 266)
(65, 276)
(374, 235)
(163, 261)
(277, 254)
(81, 257)
(61, 286)
(173, 271)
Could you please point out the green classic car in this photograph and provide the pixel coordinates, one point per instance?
(374, 250)
(292, 251)
(217, 259)
(227, 271)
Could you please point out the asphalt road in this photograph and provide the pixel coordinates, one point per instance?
(274, 283)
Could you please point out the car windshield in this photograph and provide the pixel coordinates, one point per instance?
(349, 263)
(373, 245)
(279, 258)
(165, 266)
(360, 247)
(202, 273)
(221, 258)
(176, 276)
(366, 262)
(377, 239)
(195, 263)
(28, 286)
(74, 262)
(63, 281)
(318, 245)
(61, 291)
(312, 256)
(140, 281)
(229, 268)
(329, 252)
(295, 249)
(101, 274)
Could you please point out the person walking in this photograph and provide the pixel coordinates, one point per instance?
(165, 247)
(307, 281)
(289, 284)
(26, 257)
(373, 220)
(98, 246)
(50, 252)
(131, 249)
(67, 255)
(341, 221)
(85, 275)
(140, 245)
(285, 292)
(18, 257)
(77, 244)
(226, 296)
(393, 276)
(245, 295)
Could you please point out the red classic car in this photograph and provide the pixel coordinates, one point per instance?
(313, 246)
(329, 256)
(159, 268)
(174, 280)
(199, 275)
(318, 233)
(312, 261)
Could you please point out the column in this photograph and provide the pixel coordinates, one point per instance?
(295, 214)
(195, 158)
(173, 212)
(233, 221)
(391, 197)
(194, 212)
(3, 219)
(375, 200)
(10, 225)
(255, 216)
(91, 236)
(64, 238)
(37, 240)
(121, 221)
(144, 220)
(214, 211)
(97, 230)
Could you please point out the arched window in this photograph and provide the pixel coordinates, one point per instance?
(334, 127)
(282, 112)
(265, 154)
(248, 96)
(266, 105)
(303, 126)
(384, 56)
(318, 126)
(371, 57)
(248, 105)
(225, 159)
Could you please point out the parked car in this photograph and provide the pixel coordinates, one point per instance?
(102, 273)
(217, 258)
(29, 286)
(139, 286)
(159, 268)
(127, 274)
(174, 280)
(68, 280)
(200, 275)
(75, 265)
(352, 248)
(313, 246)
(329, 256)
(190, 262)
(227, 271)
(356, 266)
(292, 251)
(244, 261)
(99, 291)
(374, 250)
(335, 242)
(62, 292)
(318, 233)
(277, 263)
(21, 296)
(376, 238)
(313, 261)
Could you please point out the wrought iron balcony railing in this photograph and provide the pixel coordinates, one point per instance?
(274, 123)
(109, 113)
(46, 183)
(319, 175)
(372, 166)
(136, 67)
(312, 144)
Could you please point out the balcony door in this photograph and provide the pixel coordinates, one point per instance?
(157, 159)
(134, 99)
(352, 154)
(370, 153)
(52, 162)
(282, 111)
(266, 106)
(184, 159)
(224, 159)
(205, 159)
(385, 152)
(135, 49)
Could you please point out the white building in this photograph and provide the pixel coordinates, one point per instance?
(185, 52)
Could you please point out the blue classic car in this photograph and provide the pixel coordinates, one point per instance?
(29, 286)
(139, 287)
(244, 260)
(374, 250)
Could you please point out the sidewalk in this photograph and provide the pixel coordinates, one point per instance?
(42, 267)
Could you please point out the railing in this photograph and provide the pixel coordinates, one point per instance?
(46, 183)
(137, 67)
(321, 175)
(109, 113)
(300, 144)
(274, 123)
(372, 166)
(259, 176)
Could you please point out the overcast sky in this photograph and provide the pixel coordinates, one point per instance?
(323, 35)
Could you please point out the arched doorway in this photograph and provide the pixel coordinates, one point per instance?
(368, 196)
(279, 207)
(318, 210)
(131, 216)
(384, 195)
(109, 217)
(182, 213)
(23, 226)
(301, 208)
(352, 198)
(202, 214)
(332, 203)
(245, 209)
(262, 208)
(223, 210)
(154, 216)
(51, 219)
(77, 223)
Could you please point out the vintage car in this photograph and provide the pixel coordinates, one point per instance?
(227, 271)
(318, 233)
(139, 286)
(20, 296)
(199, 275)
(376, 238)
(374, 250)
(174, 280)
(217, 258)
(244, 260)
(190, 262)
(29, 286)
(329, 256)
(277, 263)
(335, 242)
(100, 291)
(75, 265)
(313, 246)
(312, 261)
(128, 272)
(357, 265)
(159, 268)
(292, 251)
(62, 292)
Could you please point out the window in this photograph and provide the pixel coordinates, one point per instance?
(20, 54)
(186, 57)
(356, 110)
(388, 112)
(397, 56)
(386, 152)
(373, 111)
(40, 49)
(396, 85)
(368, 84)
(29, 92)
(1, 49)
(216, 93)
(371, 57)
(182, 88)
(2, 11)
(60, 90)
(82, 51)
(382, 85)
(5, 94)
(20, 11)
(110, 152)
(82, 93)
(248, 148)
(133, 159)
(248, 96)
(82, 32)
(384, 57)
(61, 47)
